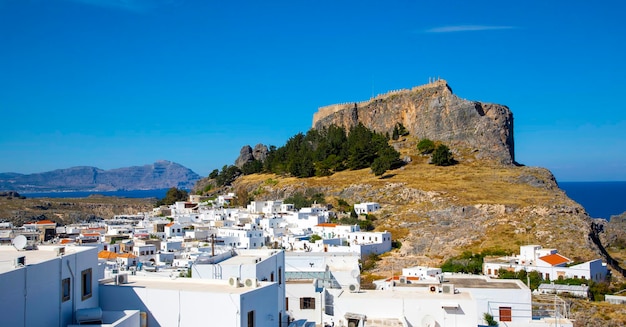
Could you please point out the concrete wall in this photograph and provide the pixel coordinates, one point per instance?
(391, 304)
(187, 308)
(31, 295)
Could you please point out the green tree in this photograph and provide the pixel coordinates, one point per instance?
(380, 166)
(442, 156)
(227, 176)
(314, 238)
(172, 196)
(426, 146)
(395, 134)
(252, 167)
(402, 131)
(214, 174)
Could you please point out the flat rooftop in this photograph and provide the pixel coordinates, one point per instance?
(483, 283)
(9, 253)
(398, 293)
(187, 284)
(470, 281)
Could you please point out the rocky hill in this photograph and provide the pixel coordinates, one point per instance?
(432, 111)
(486, 201)
(159, 175)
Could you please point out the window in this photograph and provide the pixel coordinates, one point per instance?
(272, 276)
(505, 313)
(86, 288)
(251, 318)
(280, 275)
(286, 303)
(65, 289)
(307, 303)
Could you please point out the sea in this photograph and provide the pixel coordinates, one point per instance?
(137, 194)
(600, 199)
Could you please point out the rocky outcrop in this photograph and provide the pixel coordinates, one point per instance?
(432, 111)
(247, 154)
(159, 175)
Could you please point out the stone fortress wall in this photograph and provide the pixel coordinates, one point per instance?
(333, 108)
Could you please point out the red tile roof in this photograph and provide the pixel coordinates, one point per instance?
(42, 222)
(108, 255)
(555, 259)
(327, 225)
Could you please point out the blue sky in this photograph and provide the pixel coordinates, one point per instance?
(115, 83)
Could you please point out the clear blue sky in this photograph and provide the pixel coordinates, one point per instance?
(115, 83)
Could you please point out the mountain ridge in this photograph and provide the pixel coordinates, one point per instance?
(158, 175)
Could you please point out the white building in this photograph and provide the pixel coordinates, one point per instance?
(547, 262)
(571, 290)
(196, 302)
(313, 279)
(174, 229)
(246, 267)
(265, 207)
(53, 286)
(369, 242)
(241, 238)
(366, 208)
(423, 273)
(462, 300)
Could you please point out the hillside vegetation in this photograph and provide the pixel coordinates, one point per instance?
(438, 212)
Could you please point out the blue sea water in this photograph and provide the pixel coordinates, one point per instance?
(160, 193)
(600, 199)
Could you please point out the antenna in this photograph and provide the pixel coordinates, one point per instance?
(19, 242)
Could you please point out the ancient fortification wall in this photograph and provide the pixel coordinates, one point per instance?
(333, 108)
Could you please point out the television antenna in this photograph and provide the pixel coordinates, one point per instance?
(19, 242)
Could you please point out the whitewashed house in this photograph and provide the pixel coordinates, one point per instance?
(547, 262)
(174, 229)
(366, 208)
(188, 302)
(314, 279)
(54, 286)
(241, 238)
(461, 300)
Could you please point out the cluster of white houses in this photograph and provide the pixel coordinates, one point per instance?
(221, 266)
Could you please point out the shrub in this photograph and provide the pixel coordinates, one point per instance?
(442, 156)
(426, 146)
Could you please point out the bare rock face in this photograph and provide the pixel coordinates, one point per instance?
(247, 154)
(432, 111)
(260, 152)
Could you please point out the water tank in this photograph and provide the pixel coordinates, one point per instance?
(90, 315)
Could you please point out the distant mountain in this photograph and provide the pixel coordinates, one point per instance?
(159, 175)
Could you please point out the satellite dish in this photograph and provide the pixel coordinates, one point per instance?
(428, 321)
(355, 273)
(19, 242)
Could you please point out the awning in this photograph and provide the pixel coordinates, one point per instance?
(350, 315)
(449, 305)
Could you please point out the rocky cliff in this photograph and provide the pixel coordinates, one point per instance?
(159, 175)
(432, 111)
